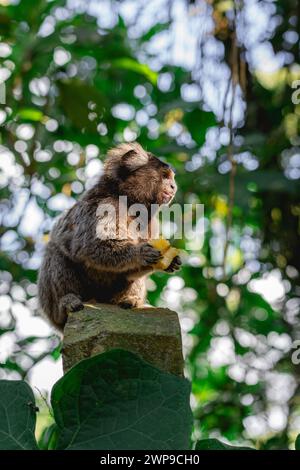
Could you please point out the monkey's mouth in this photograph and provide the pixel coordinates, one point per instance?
(166, 197)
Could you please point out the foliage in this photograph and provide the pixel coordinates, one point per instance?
(74, 87)
(214, 444)
(17, 416)
(297, 444)
(111, 401)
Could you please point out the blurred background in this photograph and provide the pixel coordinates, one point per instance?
(210, 85)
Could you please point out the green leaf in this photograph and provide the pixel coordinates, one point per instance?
(48, 439)
(56, 352)
(215, 444)
(30, 114)
(132, 64)
(17, 416)
(197, 122)
(117, 401)
(297, 443)
(155, 29)
(76, 98)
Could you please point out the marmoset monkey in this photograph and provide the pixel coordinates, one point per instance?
(87, 258)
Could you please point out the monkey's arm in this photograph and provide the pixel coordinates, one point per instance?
(77, 236)
(117, 255)
(113, 255)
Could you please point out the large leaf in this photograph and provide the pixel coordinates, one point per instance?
(214, 444)
(117, 401)
(297, 443)
(17, 416)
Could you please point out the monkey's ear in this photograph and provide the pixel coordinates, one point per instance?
(133, 160)
(129, 156)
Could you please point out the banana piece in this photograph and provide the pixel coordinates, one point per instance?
(167, 259)
(168, 252)
(160, 244)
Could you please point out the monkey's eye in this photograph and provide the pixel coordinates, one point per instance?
(167, 173)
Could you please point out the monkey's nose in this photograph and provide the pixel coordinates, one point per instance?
(172, 186)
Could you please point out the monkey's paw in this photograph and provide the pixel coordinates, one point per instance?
(70, 303)
(126, 304)
(149, 255)
(175, 265)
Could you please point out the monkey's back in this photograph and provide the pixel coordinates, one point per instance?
(60, 276)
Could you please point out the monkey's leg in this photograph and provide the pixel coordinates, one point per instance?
(60, 286)
(139, 273)
(132, 297)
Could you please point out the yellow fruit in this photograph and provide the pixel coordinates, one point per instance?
(167, 259)
(168, 252)
(160, 244)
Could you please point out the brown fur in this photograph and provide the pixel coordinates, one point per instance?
(80, 263)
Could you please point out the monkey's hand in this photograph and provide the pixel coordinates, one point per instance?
(149, 255)
(174, 266)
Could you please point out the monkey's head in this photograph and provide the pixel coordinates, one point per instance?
(139, 175)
